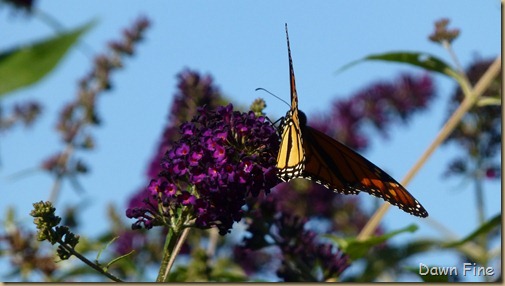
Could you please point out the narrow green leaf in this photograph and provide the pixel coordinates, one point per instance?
(486, 100)
(422, 60)
(357, 249)
(26, 65)
(103, 248)
(483, 229)
(106, 267)
(419, 59)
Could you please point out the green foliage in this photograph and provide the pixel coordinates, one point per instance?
(390, 258)
(484, 229)
(418, 59)
(199, 269)
(27, 64)
(357, 249)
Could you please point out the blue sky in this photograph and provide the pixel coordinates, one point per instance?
(242, 45)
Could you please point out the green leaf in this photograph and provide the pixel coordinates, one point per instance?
(485, 228)
(486, 100)
(26, 65)
(108, 265)
(418, 59)
(357, 249)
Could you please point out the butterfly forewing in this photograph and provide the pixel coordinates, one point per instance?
(339, 168)
(291, 157)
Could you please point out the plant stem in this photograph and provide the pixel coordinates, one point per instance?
(213, 239)
(173, 243)
(176, 250)
(167, 251)
(451, 52)
(481, 215)
(471, 96)
(89, 263)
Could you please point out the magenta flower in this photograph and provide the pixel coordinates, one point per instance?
(221, 158)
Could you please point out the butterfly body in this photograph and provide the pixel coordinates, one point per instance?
(295, 164)
(308, 153)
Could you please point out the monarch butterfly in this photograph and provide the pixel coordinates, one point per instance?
(308, 153)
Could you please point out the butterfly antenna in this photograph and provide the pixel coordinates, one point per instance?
(260, 88)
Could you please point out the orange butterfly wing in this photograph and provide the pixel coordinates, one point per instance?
(308, 153)
(337, 167)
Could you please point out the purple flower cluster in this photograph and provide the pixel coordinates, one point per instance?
(303, 257)
(221, 158)
(193, 90)
(82, 111)
(77, 116)
(252, 261)
(303, 251)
